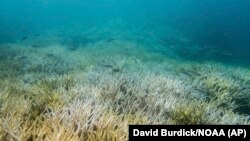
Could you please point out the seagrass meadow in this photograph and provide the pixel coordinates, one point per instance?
(81, 77)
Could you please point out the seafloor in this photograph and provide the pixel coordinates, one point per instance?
(60, 85)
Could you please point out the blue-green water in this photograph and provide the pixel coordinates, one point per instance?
(201, 30)
(83, 70)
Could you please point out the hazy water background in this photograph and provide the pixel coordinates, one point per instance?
(83, 62)
(221, 26)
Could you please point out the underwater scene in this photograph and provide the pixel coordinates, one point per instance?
(83, 70)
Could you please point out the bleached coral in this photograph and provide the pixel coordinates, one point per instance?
(86, 100)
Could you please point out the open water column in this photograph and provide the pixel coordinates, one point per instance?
(84, 70)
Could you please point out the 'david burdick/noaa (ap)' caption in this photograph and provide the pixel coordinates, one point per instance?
(163, 132)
